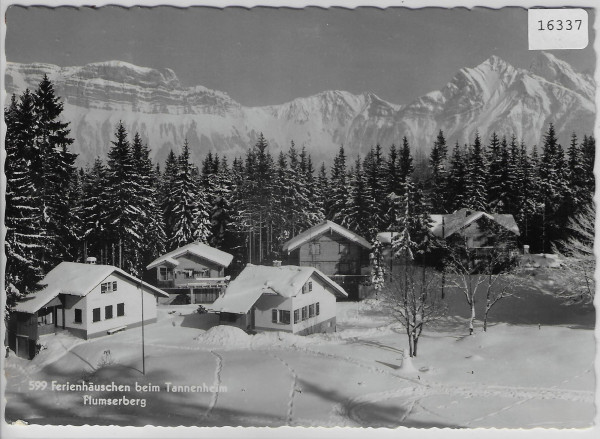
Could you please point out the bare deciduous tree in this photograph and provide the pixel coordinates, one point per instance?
(577, 255)
(412, 299)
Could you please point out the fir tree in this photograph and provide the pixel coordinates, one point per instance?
(124, 218)
(476, 194)
(338, 188)
(357, 214)
(53, 169)
(23, 242)
(93, 210)
(147, 202)
(189, 223)
(438, 183)
(166, 189)
(456, 186)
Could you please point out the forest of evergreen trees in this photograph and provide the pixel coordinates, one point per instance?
(126, 210)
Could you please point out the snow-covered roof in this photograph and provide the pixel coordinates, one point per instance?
(256, 280)
(319, 229)
(74, 279)
(386, 237)
(197, 249)
(446, 225)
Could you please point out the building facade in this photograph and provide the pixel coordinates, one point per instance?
(335, 251)
(196, 270)
(87, 300)
(300, 300)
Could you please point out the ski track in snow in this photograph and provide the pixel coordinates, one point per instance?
(350, 409)
(290, 410)
(217, 383)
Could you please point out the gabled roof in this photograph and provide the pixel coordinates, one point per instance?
(197, 249)
(445, 225)
(319, 229)
(256, 280)
(75, 279)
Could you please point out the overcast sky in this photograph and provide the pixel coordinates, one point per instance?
(270, 56)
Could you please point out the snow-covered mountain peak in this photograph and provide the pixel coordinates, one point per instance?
(491, 96)
(127, 73)
(552, 69)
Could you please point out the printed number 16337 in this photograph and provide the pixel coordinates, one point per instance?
(559, 24)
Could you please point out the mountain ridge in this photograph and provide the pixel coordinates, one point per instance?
(492, 96)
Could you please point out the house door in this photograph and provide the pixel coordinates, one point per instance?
(252, 318)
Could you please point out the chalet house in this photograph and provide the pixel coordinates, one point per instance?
(300, 300)
(85, 299)
(478, 230)
(475, 230)
(195, 268)
(333, 250)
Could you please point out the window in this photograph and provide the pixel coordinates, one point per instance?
(311, 310)
(77, 315)
(284, 317)
(165, 273)
(304, 312)
(96, 315)
(120, 309)
(296, 315)
(44, 316)
(315, 248)
(307, 288)
(317, 307)
(274, 316)
(108, 312)
(108, 287)
(342, 248)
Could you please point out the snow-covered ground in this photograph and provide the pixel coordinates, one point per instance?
(534, 367)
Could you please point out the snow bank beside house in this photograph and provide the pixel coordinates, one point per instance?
(223, 336)
(541, 261)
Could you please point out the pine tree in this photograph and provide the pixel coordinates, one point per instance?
(496, 169)
(23, 242)
(413, 222)
(93, 210)
(166, 189)
(188, 224)
(456, 186)
(357, 214)
(576, 177)
(588, 150)
(476, 194)
(124, 219)
(147, 202)
(554, 188)
(374, 170)
(53, 169)
(438, 182)
(338, 188)
(405, 162)
(221, 209)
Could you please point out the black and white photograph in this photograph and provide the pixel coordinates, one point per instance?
(277, 216)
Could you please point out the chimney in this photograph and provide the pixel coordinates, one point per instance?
(91, 260)
(276, 263)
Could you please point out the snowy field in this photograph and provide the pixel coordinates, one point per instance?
(533, 368)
